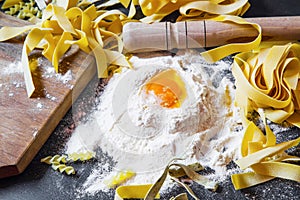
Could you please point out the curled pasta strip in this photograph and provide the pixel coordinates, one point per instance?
(57, 162)
(148, 192)
(269, 80)
(226, 50)
(54, 159)
(63, 168)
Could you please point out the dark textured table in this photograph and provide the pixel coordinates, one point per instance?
(39, 181)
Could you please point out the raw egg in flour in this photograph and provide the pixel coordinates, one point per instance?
(168, 87)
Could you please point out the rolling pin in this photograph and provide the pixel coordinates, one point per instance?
(141, 37)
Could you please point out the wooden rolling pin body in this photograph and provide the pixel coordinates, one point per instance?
(140, 37)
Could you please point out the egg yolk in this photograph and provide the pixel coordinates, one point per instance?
(168, 87)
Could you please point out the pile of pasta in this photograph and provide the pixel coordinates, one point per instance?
(155, 11)
(64, 24)
(265, 159)
(268, 82)
(73, 22)
(269, 79)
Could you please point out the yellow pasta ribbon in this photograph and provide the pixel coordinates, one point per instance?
(259, 156)
(133, 191)
(269, 79)
(278, 169)
(241, 181)
(32, 40)
(223, 51)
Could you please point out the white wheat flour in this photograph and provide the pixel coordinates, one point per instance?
(142, 136)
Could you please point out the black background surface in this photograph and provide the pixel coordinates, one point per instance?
(39, 181)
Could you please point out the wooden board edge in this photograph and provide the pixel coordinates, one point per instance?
(83, 79)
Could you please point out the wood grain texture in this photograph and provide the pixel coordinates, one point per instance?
(26, 123)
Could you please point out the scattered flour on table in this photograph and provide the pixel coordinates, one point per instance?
(10, 71)
(12, 68)
(140, 135)
(39, 105)
(64, 78)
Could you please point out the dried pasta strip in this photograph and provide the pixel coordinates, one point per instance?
(154, 190)
(252, 134)
(60, 49)
(133, 191)
(258, 156)
(62, 20)
(245, 180)
(179, 172)
(7, 33)
(223, 51)
(201, 180)
(32, 40)
(278, 169)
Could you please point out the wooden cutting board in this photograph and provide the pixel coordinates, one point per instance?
(26, 123)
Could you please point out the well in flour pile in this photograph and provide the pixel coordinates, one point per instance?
(142, 136)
